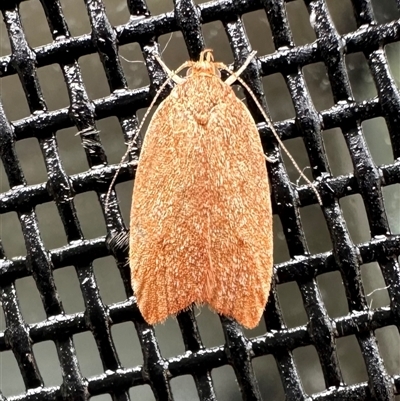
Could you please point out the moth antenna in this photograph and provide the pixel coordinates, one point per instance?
(235, 75)
(131, 61)
(171, 77)
(173, 74)
(269, 123)
(168, 41)
(298, 180)
(142, 62)
(376, 290)
(272, 128)
(131, 143)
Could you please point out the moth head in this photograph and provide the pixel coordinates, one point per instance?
(205, 65)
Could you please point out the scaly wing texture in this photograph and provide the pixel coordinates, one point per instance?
(167, 255)
(201, 214)
(241, 217)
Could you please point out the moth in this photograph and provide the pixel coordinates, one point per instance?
(201, 219)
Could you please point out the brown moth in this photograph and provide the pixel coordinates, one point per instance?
(201, 220)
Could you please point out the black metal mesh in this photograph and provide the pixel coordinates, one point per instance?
(368, 179)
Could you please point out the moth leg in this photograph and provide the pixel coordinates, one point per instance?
(270, 159)
(172, 74)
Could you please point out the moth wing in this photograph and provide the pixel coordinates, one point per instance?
(168, 232)
(201, 214)
(241, 216)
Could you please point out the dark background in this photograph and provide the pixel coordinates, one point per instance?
(90, 215)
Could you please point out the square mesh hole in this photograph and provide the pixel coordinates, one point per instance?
(342, 15)
(31, 160)
(259, 32)
(169, 338)
(103, 397)
(117, 11)
(361, 80)
(318, 85)
(52, 84)
(385, 11)
(34, 23)
(157, 7)
(50, 226)
(356, 218)
(93, 76)
(259, 330)
(338, 153)
(127, 344)
(351, 361)
(279, 102)
(378, 140)
(11, 379)
(69, 290)
(183, 387)
(71, 150)
(48, 363)
(87, 354)
(268, 377)
(13, 98)
(392, 53)
(291, 304)
(124, 193)
(31, 305)
(132, 62)
(309, 367)
(389, 347)
(315, 229)
(299, 21)
(141, 393)
(298, 151)
(174, 51)
(77, 17)
(216, 38)
(109, 281)
(333, 294)
(112, 139)
(391, 197)
(374, 286)
(5, 47)
(11, 235)
(281, 252)
(146, 122)
(90, 215)
(225, 385)
(210, 327)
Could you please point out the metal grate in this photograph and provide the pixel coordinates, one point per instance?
(243, 351)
